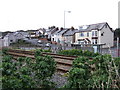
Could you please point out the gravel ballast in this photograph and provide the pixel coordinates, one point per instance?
(58, 79)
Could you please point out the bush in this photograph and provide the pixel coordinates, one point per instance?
(4, 51)
(16, 74)
(78, 52)
(47, 50)
(38, 52)
(102, 72)
(79, 75)
(44, 69)
(27, 73)
(73, 52)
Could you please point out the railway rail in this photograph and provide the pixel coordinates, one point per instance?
(64, 63)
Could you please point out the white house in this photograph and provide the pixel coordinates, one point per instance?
(12, 37)
(58, 36)
(50, 33)
(99, 33)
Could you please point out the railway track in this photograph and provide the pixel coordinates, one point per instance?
(64, 63)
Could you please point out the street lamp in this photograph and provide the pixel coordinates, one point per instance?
(64, 16)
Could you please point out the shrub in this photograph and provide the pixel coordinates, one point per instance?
(102, 72)
(4, 51)
(38, 52)
(27, 73)
(73, 52)
(16, 74)
(79, 75)
(44, 69)
(47, 50)
(78, 52)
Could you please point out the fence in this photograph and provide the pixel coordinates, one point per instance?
(56, 48)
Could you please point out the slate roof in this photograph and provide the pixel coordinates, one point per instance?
(54, 30)
(90, 27)
(71, 32)
(61, 32)
(9, 34)
(57, 32)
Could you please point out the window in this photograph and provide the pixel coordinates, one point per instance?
(95, 41)
(11, 40)
(92, 33)
(53, 39)
(95, 33)
(87, 34)
(81, 34)
(78, 42)
(102, 34)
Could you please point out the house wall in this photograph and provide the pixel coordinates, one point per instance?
(19, 36)
(9, 39)
(107, 37)
(6, 42)
(78, 36)
(54, 38)
(58, 38)
(95, 41)
(69, 39)
(1, 43)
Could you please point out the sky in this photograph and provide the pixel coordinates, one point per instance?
(34, 14)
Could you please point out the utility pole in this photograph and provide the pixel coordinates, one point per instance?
(64, 16)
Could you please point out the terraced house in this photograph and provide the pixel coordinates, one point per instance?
(99, 33)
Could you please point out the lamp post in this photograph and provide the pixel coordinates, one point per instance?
(64, 16)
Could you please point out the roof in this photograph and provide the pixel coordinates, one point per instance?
(32, 30)
(61, 32)
(90, 27)
(15, 33)
(5, 33)
(9, 34)
(43, 39)
(54, 30)
(71, 32)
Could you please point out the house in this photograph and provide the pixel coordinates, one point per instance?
(54, 36)
(69, 36)
(99, 33)
(58, 36)
(24, 33)
(64, 36)
(33, 34)
(42, 31)
(18, 35)
(11, 38)
(50, 33)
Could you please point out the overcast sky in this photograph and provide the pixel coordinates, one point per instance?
(34, 14)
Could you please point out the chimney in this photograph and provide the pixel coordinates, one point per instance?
(72, 28)
(61, 28)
